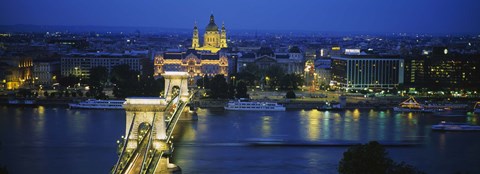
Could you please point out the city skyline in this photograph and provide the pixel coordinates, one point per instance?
(343, 16)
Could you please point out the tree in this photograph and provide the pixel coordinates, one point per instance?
(250, 74)
(97, 80)
(218, 87)
(285, 82)
(241, 90)
(126, 82)
(296, 80)
(231, 90)
(290, 94)
(204, 82)
(69, 81)
(274, 74)
(371, 158)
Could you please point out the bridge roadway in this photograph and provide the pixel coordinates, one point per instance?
(145, 158)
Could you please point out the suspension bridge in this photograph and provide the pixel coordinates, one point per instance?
(150, 122)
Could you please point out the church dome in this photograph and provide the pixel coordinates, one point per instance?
(212, 26)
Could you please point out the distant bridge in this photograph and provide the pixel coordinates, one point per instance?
(147, 146)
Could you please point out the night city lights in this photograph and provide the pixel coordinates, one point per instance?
(308, 86)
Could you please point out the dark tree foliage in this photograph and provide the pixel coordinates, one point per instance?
(296, 80)
(124, 80)
(131, 83)
(97, 81)
(204, 82)
(371, 158)
(241, 90)
(290, 94)
(248, 77)
(218, 87)
(69, 81)
(252, 68)
(285, 82)
(231, 90)
(151, 87)
(274, 74)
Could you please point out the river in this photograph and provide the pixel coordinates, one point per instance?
(61, 140)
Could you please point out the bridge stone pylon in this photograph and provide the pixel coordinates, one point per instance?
(179, 80)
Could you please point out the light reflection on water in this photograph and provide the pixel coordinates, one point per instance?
(59, 140)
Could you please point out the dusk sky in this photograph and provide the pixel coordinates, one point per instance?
(419, 16)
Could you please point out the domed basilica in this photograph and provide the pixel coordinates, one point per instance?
(213, 39)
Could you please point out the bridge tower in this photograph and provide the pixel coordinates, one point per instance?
(162, 115)
(176, 82)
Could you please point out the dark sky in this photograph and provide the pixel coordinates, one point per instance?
(419, 16)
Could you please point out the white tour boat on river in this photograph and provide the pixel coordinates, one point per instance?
(98, 104)
(246, 105)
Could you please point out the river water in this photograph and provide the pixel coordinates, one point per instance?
(61, 140)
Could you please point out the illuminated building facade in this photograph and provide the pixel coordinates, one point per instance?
(196, 63)
(292, 62)
(80, 64)
(43, 72)
(443, 72)
(323, 70)
(367, 71)
(213, 39)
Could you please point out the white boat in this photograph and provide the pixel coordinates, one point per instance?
(450, 126)
(476, 108)
(98, 104)
(246, 105)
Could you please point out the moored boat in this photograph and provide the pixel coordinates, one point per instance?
(411, 105)
(98, 104)
(451, 126)
(246, 105)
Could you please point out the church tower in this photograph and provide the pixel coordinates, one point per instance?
(195, 42)
(223, 37)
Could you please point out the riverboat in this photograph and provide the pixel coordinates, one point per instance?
(246, 105)
(451, 126)
(98, 104)
(411, 105)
